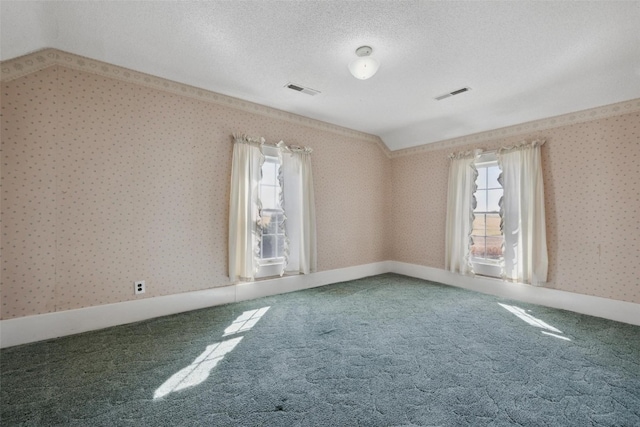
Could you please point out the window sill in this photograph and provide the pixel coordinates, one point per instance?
(270, 269)
(277, 261)
(487, 268)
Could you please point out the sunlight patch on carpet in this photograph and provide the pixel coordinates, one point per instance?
(200, 369)
(534, 321)
(556, 335)
(245, 321)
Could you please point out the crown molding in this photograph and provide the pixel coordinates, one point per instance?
(21, 66)
(18, 67)
(611, 110)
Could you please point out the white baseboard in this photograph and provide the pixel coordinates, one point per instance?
(23, 330)
(281, 285)
(620, 311)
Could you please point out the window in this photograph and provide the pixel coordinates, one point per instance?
(508, 237)
(261, 242)
(487, 239)
(272, 215)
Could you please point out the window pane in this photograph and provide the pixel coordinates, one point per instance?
(265, 221)
(481, 201)
(280, 227)
(493, 225)
(481, 181)
(277, 200)
(280, 238)
(269, 173)
(494, 247)
(477, 248)
(492, 177)
(478, 225)
(493, 199)
(268, 197)
(486, 236)
(268, 246)
(273, 225)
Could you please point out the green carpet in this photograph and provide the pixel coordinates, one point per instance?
(380, 351)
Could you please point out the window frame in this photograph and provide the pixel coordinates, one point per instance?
(482, 265)
(269, 267)
(276, 259)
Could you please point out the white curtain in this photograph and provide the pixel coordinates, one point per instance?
(523, 214)
(299, 208)
(460, 205)
(297, 201)
(244, 208)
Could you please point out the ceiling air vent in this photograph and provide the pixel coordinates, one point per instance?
(455, 92)
(302, 89)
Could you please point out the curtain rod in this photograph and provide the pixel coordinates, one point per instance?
(262, 141)
(480, 151)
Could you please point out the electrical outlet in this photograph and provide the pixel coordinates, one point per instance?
(138, 287)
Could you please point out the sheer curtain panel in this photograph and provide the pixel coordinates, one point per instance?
(244, 208)
(523, 214)
(460, 205)
(299, 209)
(247, 228)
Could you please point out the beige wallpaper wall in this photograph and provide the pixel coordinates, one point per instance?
(105, 182)
(592, 191)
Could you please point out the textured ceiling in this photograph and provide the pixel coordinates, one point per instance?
(523, 60)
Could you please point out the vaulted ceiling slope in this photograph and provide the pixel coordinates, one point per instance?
(523, 60)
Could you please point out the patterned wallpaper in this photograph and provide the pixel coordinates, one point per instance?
(592, 193)
(105, 182)
(27, 64)
(109, 178)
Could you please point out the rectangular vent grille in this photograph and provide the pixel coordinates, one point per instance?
(455, 92)
(302, 89)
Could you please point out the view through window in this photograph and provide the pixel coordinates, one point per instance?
(486, 234)
(272, 218)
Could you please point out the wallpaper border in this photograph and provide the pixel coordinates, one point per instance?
(12, 69)
(582, 116)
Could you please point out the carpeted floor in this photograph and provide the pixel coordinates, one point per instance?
(380, 351)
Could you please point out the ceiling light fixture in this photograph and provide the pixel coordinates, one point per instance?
(365, 66)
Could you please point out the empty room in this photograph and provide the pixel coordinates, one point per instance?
(320, 213)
